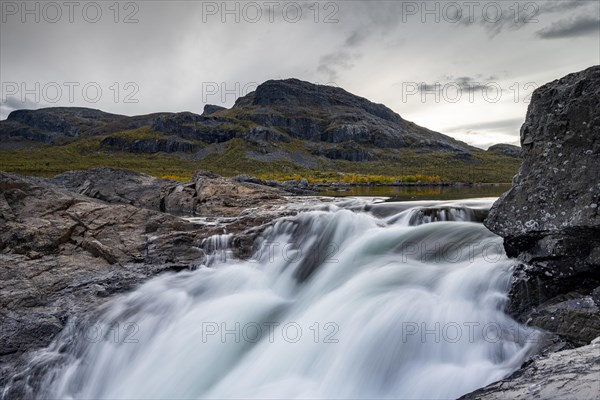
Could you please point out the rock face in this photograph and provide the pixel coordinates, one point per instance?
(551, 225)
(62, 252)
(550, 219)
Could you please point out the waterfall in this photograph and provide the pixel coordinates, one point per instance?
(389, 300)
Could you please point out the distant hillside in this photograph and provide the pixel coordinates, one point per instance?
(506, 149)
(285, 127)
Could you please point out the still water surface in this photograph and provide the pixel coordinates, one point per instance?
(403, 193)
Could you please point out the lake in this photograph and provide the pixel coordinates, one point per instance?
(402, 193)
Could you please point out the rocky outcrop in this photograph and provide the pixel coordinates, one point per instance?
(61, 253)
(206, 194)
(210, 195)
(115, 186)
(550, 377)
(550, 219)
(551, 225)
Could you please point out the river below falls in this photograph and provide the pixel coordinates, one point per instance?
(354, 299)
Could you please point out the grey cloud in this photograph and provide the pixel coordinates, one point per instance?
(493, 24)
(475, 83)
(564, 5)
(572, 27)
(172, 52)
(528, 13)
(357, 37)
(332, 63)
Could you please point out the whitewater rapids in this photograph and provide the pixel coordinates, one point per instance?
(389, 300)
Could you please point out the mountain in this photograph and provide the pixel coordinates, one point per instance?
(506, 149)
(285, 125)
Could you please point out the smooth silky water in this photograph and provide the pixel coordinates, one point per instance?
(351, 300)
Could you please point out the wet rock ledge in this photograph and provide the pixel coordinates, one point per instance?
(69, 243)
(550, 222)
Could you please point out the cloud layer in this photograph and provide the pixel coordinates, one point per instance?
(170, 56)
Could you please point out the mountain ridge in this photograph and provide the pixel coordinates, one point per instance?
(292, 122)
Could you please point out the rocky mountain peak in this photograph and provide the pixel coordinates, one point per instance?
(297, 93)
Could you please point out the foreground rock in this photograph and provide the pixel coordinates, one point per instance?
(550, 377)
(62, 253)
(551, 225)
(550, 219)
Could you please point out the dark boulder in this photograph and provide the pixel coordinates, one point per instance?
(549, 219)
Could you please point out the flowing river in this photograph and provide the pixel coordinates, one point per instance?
(356, 299)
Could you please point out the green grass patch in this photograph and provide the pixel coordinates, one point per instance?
(404, 166)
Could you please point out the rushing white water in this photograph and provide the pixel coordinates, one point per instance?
(344, 302)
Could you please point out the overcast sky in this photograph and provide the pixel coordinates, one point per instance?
(462, 68)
